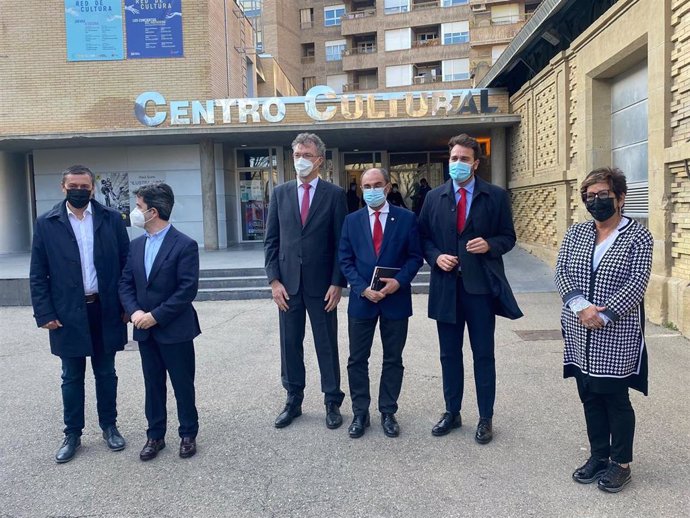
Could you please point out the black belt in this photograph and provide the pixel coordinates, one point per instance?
(90, 299)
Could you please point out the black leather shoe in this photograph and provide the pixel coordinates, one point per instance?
(187, 447)
(390, 425)
(68, 449)
(151, 449)
(615, 478)
(591, 471)
(333, 417)
(446, 424)
(359, 425)
(113, 439)
(287, 415)
(484, 431)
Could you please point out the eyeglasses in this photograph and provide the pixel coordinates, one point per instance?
(602, 195)
(308, 156)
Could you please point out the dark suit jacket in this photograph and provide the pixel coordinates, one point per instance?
(307, 254)
(57, 287)
(400, 249)
(169, 291)
(491, 218)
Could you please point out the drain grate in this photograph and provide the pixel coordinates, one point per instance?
(532, 335)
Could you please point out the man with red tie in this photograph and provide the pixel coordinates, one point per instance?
(305, 218)
(466, 226)
(386, 236)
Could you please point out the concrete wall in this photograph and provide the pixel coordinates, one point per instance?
(15, 206)
(179, 166)
(565, 133)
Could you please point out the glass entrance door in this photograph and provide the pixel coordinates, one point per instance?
(257, 173)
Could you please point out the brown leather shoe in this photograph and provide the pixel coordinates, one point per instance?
(187, 447)
(151, 448)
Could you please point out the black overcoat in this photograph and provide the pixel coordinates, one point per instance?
(491, 218)
(57, 287)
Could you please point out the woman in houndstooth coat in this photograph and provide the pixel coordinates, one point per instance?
(602, 272)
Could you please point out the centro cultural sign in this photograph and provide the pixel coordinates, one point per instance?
(321, 104)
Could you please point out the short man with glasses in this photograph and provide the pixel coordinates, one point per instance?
(305, 219)
(466, 226)
(78, 253)
(385, 236)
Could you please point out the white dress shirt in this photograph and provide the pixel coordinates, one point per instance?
(83, 231)
(300, 191)
(383, 217)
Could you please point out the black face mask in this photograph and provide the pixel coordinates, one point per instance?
(78, 198)
(601, 210)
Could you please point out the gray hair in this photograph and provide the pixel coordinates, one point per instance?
(310, 138)
(384, 172)
(78, 169)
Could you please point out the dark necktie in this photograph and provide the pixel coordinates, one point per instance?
(462, 209)
(304, 210)
(378, 233)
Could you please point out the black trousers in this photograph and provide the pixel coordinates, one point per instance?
(325, 329)
(73, 374)
(393, 337)
(610, 422)
(477, 312)
(176, 360)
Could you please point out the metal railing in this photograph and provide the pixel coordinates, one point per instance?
(427, 78)
(306, 25)
(426, 43)
(353, 15)
(355, 51)
(425, 5)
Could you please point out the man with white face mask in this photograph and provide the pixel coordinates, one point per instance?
(305, 218)
(466, 226)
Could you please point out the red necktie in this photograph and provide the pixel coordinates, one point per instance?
(462, 209)
(304, 210)
(378, 233)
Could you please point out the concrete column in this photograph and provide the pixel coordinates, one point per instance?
(499, 174)
(15, 204)
(208, 194)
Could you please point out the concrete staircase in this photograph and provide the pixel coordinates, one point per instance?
(251, 283)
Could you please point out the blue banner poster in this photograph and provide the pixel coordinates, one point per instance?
(154, 28)
(94, 30)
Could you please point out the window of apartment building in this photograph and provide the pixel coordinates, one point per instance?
(332, 15)
(504, 14)
(307, 83)
(455, 32)
(337, 82)
(456, 69)
(451, 3)
(366, 47)
(335, 49)
(396, 6)
(496, 52)
(398, 75)
(306, 18)
(398, 39)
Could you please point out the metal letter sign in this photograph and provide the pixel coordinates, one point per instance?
(94, 30)
(154, 28)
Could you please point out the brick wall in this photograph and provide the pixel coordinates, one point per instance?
(680, 219)
(680, 72)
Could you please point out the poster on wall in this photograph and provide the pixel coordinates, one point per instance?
(94, 30)
(154, 28)
(112, 190)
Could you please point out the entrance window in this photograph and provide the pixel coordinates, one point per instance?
(257, 174)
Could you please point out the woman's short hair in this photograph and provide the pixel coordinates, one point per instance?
(613, 176)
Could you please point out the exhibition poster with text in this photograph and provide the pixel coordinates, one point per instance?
(94, 30)
(154, 29)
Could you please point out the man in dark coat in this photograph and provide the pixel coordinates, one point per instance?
(305, 219)
(466, 226)
(78, 252)
(158, 285)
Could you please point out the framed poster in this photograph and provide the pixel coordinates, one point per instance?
(94, 30)
(154, 29)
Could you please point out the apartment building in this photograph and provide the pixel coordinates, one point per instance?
(387, 45)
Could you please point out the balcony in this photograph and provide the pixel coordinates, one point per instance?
(426, 43)
(424, 79)
(430, 52)
(426, 4)
(306, 25)
(358, 22)
(496, 31)
(359, 58)
(307, 60)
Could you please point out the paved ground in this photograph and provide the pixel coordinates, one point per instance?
(245, 467)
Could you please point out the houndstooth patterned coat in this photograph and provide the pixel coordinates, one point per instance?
(619, 284)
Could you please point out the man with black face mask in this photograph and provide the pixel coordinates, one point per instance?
(77, 256)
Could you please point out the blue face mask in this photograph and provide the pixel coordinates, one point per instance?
(459, 171)
(374, 197)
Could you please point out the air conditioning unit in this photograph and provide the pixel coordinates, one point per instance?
(478, 8)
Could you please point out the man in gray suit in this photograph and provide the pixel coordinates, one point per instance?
(305, 218)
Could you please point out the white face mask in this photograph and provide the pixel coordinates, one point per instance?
(303, 167)
(137, 218)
